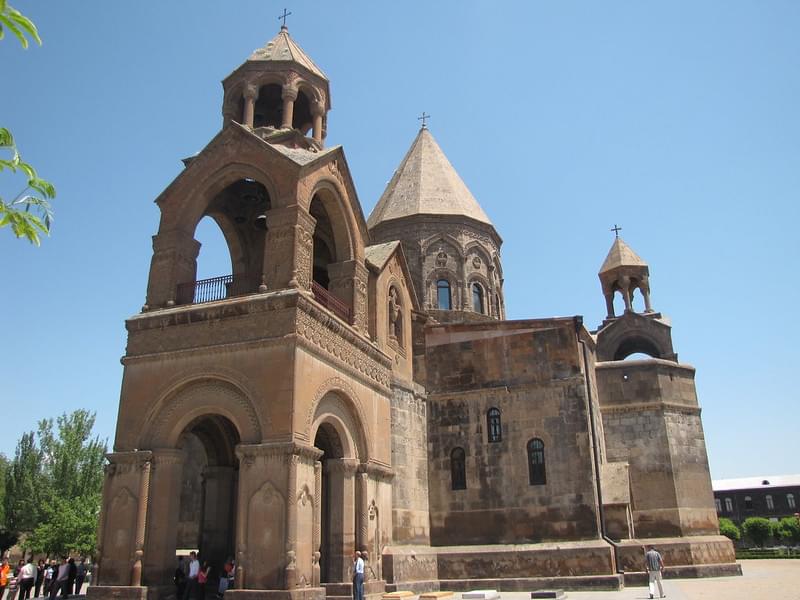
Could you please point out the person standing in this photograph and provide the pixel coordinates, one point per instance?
(654, 564)
(191, 579)
(27, 577)
(80, 575)
(202, 577)
(4, 572)
(358, 576)
(60, 579)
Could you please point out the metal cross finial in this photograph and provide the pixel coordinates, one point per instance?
(616, 229)
(424, 119)
(283, 17)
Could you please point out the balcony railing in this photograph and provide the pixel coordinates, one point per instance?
(217, 288)
(331, 302)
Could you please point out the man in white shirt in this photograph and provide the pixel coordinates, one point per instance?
(191, 579)
(358, 576)
(27, 577)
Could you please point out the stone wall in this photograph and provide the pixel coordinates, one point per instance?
(532, 372)
(410, 516)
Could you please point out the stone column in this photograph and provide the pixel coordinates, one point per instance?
(246, 465)
(250, 94)
(317, 525)
(348, 282)
(341, 472)
(174, 262)
(291, 524)
(289, 248)
(108, 473)
(141, 519)
(644, 287)
(162, 521)
(609, 305)
(289, 95)
(362, 508)
(317, 111)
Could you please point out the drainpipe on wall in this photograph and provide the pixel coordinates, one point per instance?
(595, 454)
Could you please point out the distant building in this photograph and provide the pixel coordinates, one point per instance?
(772, 497)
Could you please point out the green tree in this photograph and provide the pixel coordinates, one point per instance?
(729, 529)
(28, 214)
(758, 529)
(22, 502)
(789, 530)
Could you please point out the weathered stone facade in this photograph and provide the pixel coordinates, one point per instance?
(353, 384)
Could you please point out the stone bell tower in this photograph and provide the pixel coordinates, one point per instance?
(255, 405)
(651, 416)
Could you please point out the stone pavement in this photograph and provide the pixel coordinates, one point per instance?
(761, 579)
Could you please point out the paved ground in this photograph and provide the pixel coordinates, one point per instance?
(761, 579)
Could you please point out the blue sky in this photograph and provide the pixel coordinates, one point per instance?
(677, 120)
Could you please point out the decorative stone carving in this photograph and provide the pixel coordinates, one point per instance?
(441, 258)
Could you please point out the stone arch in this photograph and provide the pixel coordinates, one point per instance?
(337, 405)
(486, 292)
(637, 344)
(201, 397)
(446, 238)
(480, 249)
(332, 197)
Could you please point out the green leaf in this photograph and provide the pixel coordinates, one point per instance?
(6, 139)
(25, 23)
(8, 22)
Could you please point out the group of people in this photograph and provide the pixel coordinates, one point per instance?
(51, 579)
(191, 578)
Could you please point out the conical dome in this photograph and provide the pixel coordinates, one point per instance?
(426, 183)
(621, 255)
(282, 48)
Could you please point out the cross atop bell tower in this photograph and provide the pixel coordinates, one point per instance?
(279, 87)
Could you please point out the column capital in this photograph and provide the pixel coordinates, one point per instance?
(289, 92)
(250, 92)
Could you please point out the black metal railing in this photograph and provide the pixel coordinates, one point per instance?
(331, 302)
(217, 288)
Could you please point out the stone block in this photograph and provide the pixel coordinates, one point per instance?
(480, 595)
(399, 594)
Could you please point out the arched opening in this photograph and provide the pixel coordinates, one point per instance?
(493, 426)
(206, 520)
(443, 295)
(477, 298)
(458, 469)
(231, 264)
(324, 244)
(635, 347)
(536, 465)
(268, 111)
(302, 119)
(333, 519)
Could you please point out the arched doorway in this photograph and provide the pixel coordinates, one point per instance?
(332, 504)
(209, 479)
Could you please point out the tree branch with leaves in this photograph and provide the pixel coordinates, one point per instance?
(28, 214)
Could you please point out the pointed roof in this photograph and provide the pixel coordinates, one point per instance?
(621, 255)
(282, 48)
(426, 183)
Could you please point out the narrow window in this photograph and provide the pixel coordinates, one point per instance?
(458, 469)
(536, 467)
(719, 504)
(728, 505)
(790, 500)
(770, 503)
(748, 503)
(477, 298)
(443, 294)
(493, 425)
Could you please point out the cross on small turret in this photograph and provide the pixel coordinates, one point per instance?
(424, 119)
(283, 17)
(616, 229)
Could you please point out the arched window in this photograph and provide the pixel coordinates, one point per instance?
(458, 469)
(395, 316)
(493, 425)
(748, 503)
(728, 505)
(477, 298)
(770, 502)
(718, 504)
(443, 294)
(536, 468)
(790, 500)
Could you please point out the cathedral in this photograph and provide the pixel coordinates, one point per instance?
(353, 384)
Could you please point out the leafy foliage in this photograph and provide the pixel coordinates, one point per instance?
(18, 24)
(788, 530)
(53, 485)
(729, 529)
(758, 529)
(29, 214)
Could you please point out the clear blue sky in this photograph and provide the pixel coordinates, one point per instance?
(677, 120)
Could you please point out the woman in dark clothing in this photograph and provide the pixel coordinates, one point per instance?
(39, 577)
(72, 573)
